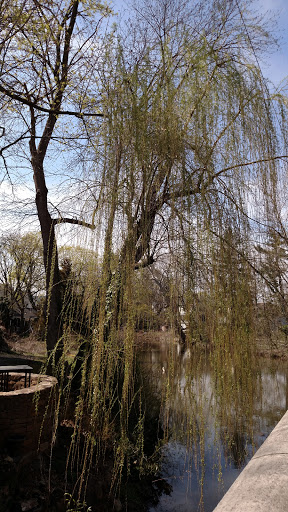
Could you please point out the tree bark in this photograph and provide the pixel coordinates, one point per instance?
(53, 283)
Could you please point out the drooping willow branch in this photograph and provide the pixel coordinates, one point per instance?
(251, 265)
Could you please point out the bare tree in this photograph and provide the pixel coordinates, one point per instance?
(48, 58)
(21, 271)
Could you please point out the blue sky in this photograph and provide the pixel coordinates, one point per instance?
(276, 66)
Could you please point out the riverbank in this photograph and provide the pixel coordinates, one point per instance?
(272, 348)
(267, 347)
(31, 347)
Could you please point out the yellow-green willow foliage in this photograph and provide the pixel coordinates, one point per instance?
(188, 131)
(233, 356)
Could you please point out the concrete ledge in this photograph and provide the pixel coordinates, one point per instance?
(263, 484)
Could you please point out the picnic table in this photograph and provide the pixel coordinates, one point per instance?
(4, 375)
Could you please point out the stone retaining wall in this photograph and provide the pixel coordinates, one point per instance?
(26, 415)
(262, 486)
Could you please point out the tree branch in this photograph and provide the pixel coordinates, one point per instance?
(260, 161)
(32, 104)
(66, 220)
(145, 263)
(200, 187)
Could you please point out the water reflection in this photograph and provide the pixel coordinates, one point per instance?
(214, 419)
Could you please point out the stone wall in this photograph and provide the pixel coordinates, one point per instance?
(262, 486)
(26, 415)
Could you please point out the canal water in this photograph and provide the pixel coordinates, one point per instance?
(214, 420)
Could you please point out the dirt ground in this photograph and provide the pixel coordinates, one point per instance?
(29, 346)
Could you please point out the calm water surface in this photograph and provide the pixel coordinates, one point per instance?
(213, 428)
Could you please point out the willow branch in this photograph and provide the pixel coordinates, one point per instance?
(200, 187)
(246, 164)
(67, 220)
(251, 265)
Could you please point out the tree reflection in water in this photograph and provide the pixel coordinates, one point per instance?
(214, 418)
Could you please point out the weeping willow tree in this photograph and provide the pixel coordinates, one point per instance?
(188, 133)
